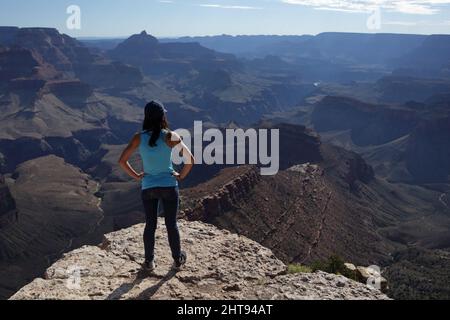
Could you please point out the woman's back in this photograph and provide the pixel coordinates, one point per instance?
(157, 162)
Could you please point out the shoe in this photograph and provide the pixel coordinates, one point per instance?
(180, 262)
(149, 266)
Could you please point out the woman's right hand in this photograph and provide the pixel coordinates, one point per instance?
(140, 176)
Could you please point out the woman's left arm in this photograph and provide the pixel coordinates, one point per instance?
(174, 140)
(126, 154)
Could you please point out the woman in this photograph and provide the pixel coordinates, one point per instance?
(159, 180)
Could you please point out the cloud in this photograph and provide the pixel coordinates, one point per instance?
(220, 6)
(401, 23)
(419, 7)
(422, 23)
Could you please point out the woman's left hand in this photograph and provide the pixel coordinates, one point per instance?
(177, 176)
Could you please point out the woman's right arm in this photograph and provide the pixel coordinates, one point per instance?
(174, 140)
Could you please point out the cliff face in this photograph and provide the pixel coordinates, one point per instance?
(220, 265)
(60, 50)
(50, 195)
(369, 124)
(398, 89)
(406, 143)
(16, 63)
(46, 53)
(429, 59)
(7, 205)
(428, 151)
(72, 92)
(207, 205)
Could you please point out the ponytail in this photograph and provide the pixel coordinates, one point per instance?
(155, 121)
(156, 132)
(155, 126)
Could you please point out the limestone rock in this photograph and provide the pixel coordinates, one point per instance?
(350, 266)
(220, 265)
(372, 276)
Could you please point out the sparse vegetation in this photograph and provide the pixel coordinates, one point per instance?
(298, 268)
(334, 264)
(419, 274)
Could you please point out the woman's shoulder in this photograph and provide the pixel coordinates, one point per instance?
(171, 134)
(172, 138)
(136, 140)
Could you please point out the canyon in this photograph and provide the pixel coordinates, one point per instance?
(363, 161)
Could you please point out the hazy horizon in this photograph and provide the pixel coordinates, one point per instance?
(99, 37)
(248, 35)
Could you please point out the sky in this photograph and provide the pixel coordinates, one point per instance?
(173, 18)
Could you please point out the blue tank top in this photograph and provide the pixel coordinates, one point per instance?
(157, 162)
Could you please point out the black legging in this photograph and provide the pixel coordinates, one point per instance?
(170, 200)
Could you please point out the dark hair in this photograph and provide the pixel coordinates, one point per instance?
(155, 120)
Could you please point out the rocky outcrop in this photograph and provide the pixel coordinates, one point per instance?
(300, 138)
(351, 170)
(137, 49)
(221, 265)
(371, 274)
(205, 208)
(152, 57)
(141, 49)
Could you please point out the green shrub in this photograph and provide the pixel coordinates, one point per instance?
(334, 264)
(298, 268)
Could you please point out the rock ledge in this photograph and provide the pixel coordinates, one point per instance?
(221, 265)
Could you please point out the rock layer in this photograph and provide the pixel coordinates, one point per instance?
(7, 204)
(226, 198)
